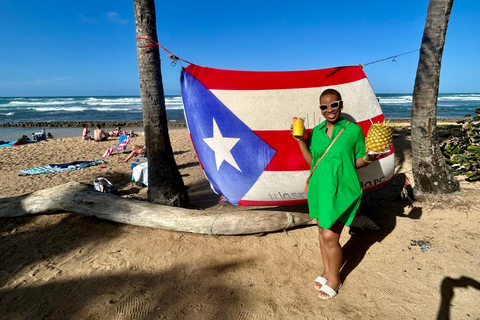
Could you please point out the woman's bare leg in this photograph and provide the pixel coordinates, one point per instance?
(334, 255)
(130, 156)
(324, 257)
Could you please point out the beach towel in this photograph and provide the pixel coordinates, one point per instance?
(8, 144)
(107, 152)
(52, 168)
(140, 173)
(239, 123)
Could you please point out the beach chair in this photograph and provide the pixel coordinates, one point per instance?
(123, 142)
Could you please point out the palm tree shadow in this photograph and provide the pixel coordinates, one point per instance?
(381, 209)
(448, 284)
(131, 294)
(35, 285)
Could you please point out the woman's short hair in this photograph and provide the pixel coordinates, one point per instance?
(331, 91)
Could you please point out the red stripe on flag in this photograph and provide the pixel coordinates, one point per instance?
(288, 156)
(365, 124)
(269, 80)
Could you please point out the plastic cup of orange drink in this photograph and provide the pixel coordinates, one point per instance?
(298, 129)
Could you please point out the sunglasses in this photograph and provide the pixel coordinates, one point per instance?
(334, 105)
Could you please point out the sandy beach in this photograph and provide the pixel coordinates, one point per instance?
(422, 263)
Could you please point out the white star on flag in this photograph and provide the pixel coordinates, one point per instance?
(221, 147)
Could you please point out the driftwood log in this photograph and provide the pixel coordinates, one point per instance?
(76, 197)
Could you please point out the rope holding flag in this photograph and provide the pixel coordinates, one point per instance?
(172, 56)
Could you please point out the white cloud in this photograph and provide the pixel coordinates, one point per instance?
(85, 19)
(114, 17)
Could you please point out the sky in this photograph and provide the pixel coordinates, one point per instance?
(89, 48)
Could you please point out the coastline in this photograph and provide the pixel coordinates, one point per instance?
(126, 124)
(65, 129)
(78, 124)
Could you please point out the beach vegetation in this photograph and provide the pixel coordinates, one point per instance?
(462, 151)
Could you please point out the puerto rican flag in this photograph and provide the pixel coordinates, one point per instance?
(239, 123)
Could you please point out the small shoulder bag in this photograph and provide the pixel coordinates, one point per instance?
(331, 144)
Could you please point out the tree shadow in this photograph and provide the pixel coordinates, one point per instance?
(33, 285)
(383, 205)
(134, 294)
(378, 205)
(201, 195)
(188, 165)
(180, 152)
(447, 286)
(24, 247)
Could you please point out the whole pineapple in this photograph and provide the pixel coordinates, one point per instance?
(379, 138)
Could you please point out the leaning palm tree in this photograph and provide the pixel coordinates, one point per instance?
(430, 172)
(165, 184)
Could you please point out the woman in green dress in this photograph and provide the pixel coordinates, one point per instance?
(334, 191)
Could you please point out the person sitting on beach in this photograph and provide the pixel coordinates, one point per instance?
(99, 134)
(136, 151)
(21, 140)
(49, 136)
(85, 132)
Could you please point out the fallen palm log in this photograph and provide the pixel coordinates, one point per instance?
(76, 197)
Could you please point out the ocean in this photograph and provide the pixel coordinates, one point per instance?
(128, 108)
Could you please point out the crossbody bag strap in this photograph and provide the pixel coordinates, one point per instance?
(331, 144)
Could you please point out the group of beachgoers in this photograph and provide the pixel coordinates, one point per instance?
(100, 135)
(22, 140)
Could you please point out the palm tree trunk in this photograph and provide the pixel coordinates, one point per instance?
(165, 184)
(430, 172)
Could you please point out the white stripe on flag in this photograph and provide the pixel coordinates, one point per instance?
(253, 107)
(288, 185)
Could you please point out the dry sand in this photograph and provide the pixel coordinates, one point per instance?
(423, 263)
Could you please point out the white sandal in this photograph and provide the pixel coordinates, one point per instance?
(328, 290)
(320, 280)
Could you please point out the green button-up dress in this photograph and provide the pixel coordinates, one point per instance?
(334, 191)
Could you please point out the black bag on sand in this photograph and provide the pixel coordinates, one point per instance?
(103, 185)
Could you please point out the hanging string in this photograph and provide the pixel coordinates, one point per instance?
(392, 57)
(172, 56)
(402, 54)
(176, 58)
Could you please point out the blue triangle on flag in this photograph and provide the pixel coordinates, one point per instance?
(250, 154)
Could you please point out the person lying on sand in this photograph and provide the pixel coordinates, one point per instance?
(136, 151)
(21, 140)
(99, 134)
(116, 133)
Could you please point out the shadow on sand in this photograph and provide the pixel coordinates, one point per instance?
(448, 284)
(383, 205)
(32, 285)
